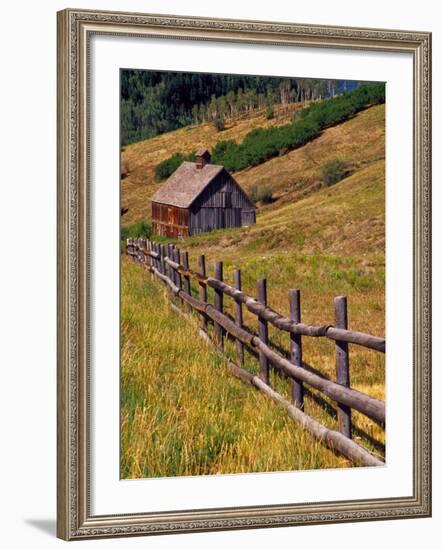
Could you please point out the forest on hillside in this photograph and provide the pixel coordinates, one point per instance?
(154, 102)
(261, 144)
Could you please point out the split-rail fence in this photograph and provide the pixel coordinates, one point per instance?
(170, 265)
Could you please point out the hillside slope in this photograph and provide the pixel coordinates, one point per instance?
(138, 160)
(203, 421)
(358, 141)
(325, 241)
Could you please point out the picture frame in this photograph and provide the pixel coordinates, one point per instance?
(76, 28)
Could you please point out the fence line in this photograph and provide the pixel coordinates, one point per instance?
(164, 262)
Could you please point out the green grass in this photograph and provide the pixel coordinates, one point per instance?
(183, 413)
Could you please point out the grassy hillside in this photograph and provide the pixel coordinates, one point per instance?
(358, 141)
(326, 241)
(138, 160)
(183, 413)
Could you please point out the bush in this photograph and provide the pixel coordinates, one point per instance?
(218, 123)
(136, 230)
(333, 171)
(260, 194)
(167, 167)
(265, 195)
(269, 112)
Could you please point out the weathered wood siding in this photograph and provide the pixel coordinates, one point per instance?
(221, 205)
(169, 221)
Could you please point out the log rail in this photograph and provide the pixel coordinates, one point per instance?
(164, 263)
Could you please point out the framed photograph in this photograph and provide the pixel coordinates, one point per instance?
(243, 274)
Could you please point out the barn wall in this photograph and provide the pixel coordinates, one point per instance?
(221, 205)
(169, 221)
(223, 192)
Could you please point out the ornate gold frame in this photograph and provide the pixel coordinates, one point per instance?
(74, 30)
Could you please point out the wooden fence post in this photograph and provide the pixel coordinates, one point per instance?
(144, 251)
(162, 259)
(263, 332)
(296, 347)
(187, 279)
(154, 260)
(238, 317)
(218, 303)
(203, 291)
(159, 259)
(342, 364)
(177, 274)
(169, 254)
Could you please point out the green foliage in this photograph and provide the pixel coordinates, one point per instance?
(333, 171)
(262, 144)
(167, 167)
(136, 230)
(269, 112)
(154, 102)
(218, 123)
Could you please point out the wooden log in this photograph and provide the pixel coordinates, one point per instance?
(330, 438)
(239, 317)
(282, 323)
(371, 407)
(186, 277)
(203, 291)
(342, 365)
(263, 332)
(218, 304)
(297, 391)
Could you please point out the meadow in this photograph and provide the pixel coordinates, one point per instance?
(182, 412)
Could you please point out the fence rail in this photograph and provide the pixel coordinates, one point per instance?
(171, 266)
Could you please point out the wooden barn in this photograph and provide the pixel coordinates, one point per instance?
(198, 197)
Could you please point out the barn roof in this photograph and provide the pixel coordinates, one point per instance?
(186, 183)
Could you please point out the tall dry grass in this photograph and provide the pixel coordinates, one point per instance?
(183, 413)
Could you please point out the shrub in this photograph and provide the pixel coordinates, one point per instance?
(269, 112)
(333, 171)
(168, 166)
(260, 194)
(165, 168)
(218, 123)
(136, 230)
(265, 195)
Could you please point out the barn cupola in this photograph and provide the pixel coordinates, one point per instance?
(202, 157)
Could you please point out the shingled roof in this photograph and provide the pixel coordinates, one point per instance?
(185, 184)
